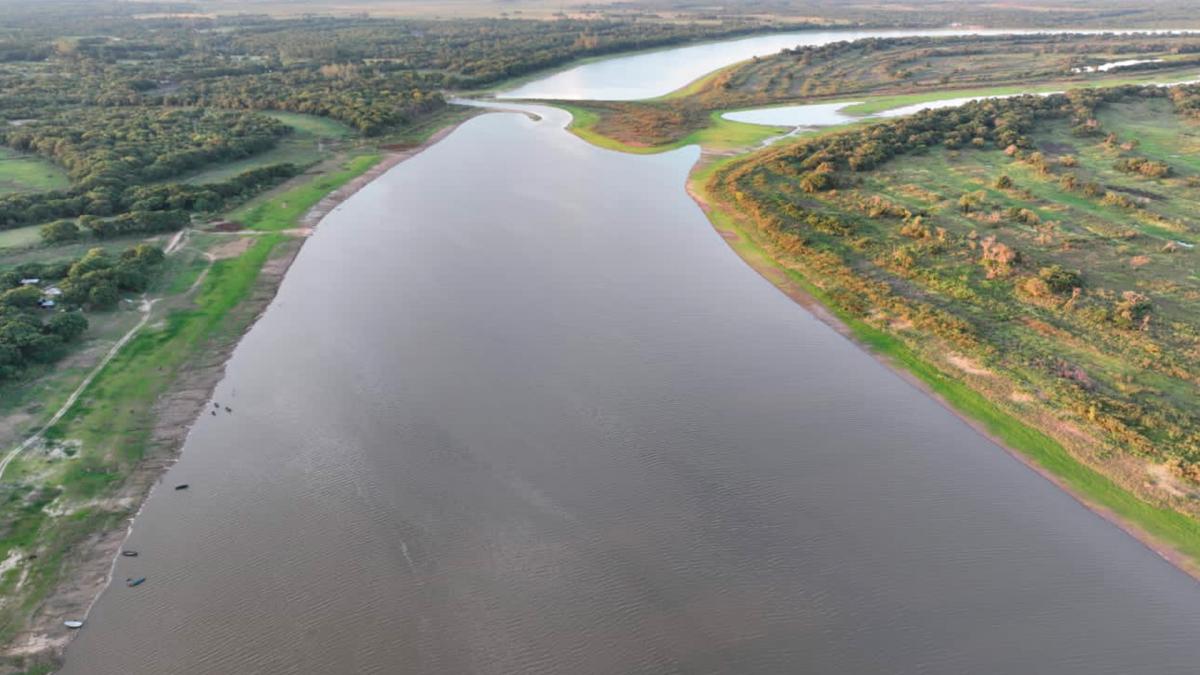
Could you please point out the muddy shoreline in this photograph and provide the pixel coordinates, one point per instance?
(89, 567)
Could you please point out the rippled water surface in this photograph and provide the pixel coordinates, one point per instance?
(517, 408)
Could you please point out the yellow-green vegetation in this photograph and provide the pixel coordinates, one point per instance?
(720, 135)
(893, 72)
(113, 424)
(21, 237)
(1028, 260)
(28, 173)
(283, 211)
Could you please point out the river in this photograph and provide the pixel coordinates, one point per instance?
(517, 408)
(662, 71)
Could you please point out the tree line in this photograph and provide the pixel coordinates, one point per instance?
(130, 209)
(31, 335)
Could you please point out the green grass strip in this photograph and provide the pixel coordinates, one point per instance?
(1180, 532)
(284, 210)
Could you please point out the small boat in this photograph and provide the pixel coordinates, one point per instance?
(131, 582)
(181, 486)
(129, 554)
(72, 624)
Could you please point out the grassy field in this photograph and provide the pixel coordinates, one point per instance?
(25, 245)
(284, 209)
(28, 173)
(21, 237)
(1075, 347)
(313, 139)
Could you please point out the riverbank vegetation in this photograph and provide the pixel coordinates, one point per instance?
(210, 139)
(1028, 260)
(156, 161)
(900, 71)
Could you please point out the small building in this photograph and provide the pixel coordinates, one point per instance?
(53, 292)
(46, 304)
(32, 281)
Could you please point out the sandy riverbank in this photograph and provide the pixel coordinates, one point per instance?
(89, 566)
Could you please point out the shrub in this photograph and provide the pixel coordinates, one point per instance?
(1060, 280)
(59, 231)
(1132, 310)
(998, 258)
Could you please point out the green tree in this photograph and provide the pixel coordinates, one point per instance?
(24, 297)
(68, 325)
(59, 231)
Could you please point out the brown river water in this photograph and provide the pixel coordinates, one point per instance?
(517, 408)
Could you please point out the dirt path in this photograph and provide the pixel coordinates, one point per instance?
(177, 241)
(145, 307)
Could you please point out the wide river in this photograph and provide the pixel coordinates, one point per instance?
(517, 408)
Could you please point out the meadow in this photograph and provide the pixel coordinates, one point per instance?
(28, 173)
